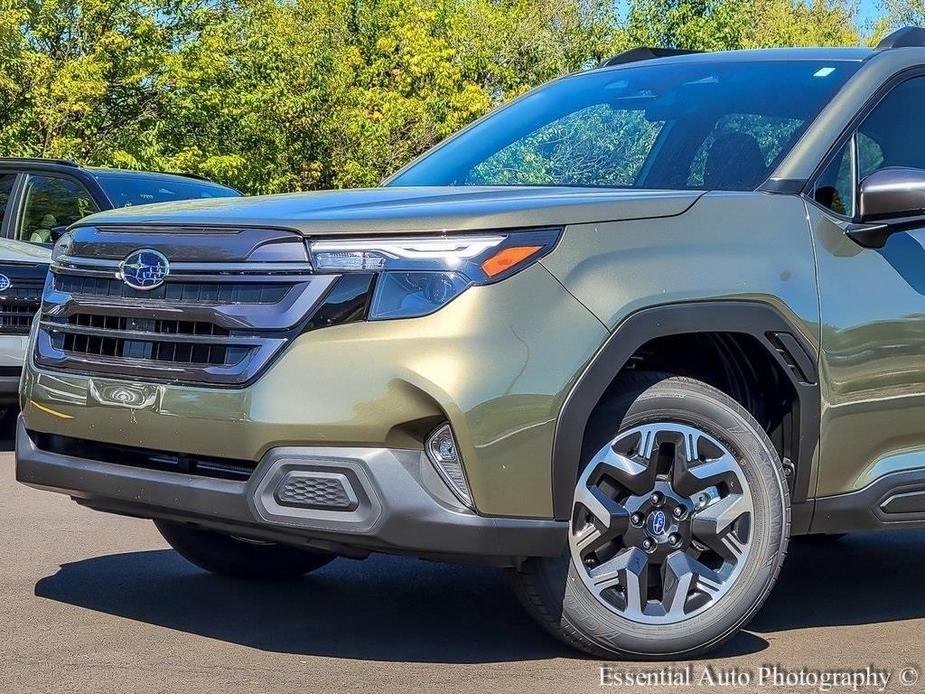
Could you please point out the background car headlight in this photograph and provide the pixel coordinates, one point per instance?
(62, 247)
(418, 275)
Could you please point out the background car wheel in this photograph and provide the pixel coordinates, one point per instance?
(679, 527)
(235, 557)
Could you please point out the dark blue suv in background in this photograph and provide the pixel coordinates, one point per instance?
(39, 198)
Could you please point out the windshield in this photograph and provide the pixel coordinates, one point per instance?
(128, 190)
(697, 125)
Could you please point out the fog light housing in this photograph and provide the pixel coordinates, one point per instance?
(444, 455)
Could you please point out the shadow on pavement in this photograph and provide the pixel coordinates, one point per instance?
(865, 578)
(384, 608)
(8, 429)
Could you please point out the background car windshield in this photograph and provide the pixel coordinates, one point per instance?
(699, 125)
(128, 190)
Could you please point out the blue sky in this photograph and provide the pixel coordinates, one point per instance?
(869, 10)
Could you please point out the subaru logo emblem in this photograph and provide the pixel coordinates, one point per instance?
(5, 283)
(658, 521)
(144, 269)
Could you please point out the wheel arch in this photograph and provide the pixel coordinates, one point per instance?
(777, 336)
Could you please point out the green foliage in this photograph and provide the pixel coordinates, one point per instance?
(278, 95)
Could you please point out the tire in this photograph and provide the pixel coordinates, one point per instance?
(714, 574)
(233, 557)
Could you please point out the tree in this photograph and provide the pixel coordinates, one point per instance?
(732, 24)
(280, 95)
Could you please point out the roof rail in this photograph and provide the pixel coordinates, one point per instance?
(635, 55)
(903, 38)
(38, 160)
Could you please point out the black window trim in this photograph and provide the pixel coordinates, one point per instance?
(12, 204)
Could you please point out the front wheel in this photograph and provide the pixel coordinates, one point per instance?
(679, 526)
(236, 557)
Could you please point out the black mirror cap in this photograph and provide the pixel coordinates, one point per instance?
(896, 192)
(58, 231)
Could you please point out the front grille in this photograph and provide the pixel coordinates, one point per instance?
(186, 463)
(20, 301)
(212, 323)
(16, 317)
(187, 292)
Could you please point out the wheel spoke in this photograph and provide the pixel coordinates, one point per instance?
(677, 583)
(713, 525)
(610, 518)
(688, 478)
(630, 569)
(635, 475)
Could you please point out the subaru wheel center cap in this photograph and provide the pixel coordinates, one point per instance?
(657, 522)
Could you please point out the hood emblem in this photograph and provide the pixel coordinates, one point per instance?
(5, 283)
(144, 269)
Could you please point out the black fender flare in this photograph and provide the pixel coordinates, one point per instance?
(776, 334)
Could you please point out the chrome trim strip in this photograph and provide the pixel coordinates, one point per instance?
(66, 263)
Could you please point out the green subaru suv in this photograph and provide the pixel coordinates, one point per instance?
(623, 337)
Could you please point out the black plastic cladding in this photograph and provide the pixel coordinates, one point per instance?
(751, 318)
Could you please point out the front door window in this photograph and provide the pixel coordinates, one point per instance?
(50, 202)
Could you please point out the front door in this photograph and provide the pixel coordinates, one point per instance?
(872, 307)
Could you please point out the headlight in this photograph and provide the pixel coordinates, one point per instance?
(61, 247)
(418, 275)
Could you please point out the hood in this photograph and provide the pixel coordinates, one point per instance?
(409, 209)
(21, 252)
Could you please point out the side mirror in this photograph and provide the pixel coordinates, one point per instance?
(889, 200)
(57, 232)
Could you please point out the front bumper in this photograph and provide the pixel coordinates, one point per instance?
(397, 503)
(497, 363)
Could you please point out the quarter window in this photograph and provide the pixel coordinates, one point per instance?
(52, 201)
(835, 187)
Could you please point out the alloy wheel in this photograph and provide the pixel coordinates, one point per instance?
(662, 523)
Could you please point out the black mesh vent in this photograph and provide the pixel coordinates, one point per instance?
(151, 350)
(190, 464)
(148, 325)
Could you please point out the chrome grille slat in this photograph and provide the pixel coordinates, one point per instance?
(66, 328)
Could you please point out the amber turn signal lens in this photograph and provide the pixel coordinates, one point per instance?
(508, 258)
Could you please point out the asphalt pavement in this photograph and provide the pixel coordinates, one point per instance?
(97, 603)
